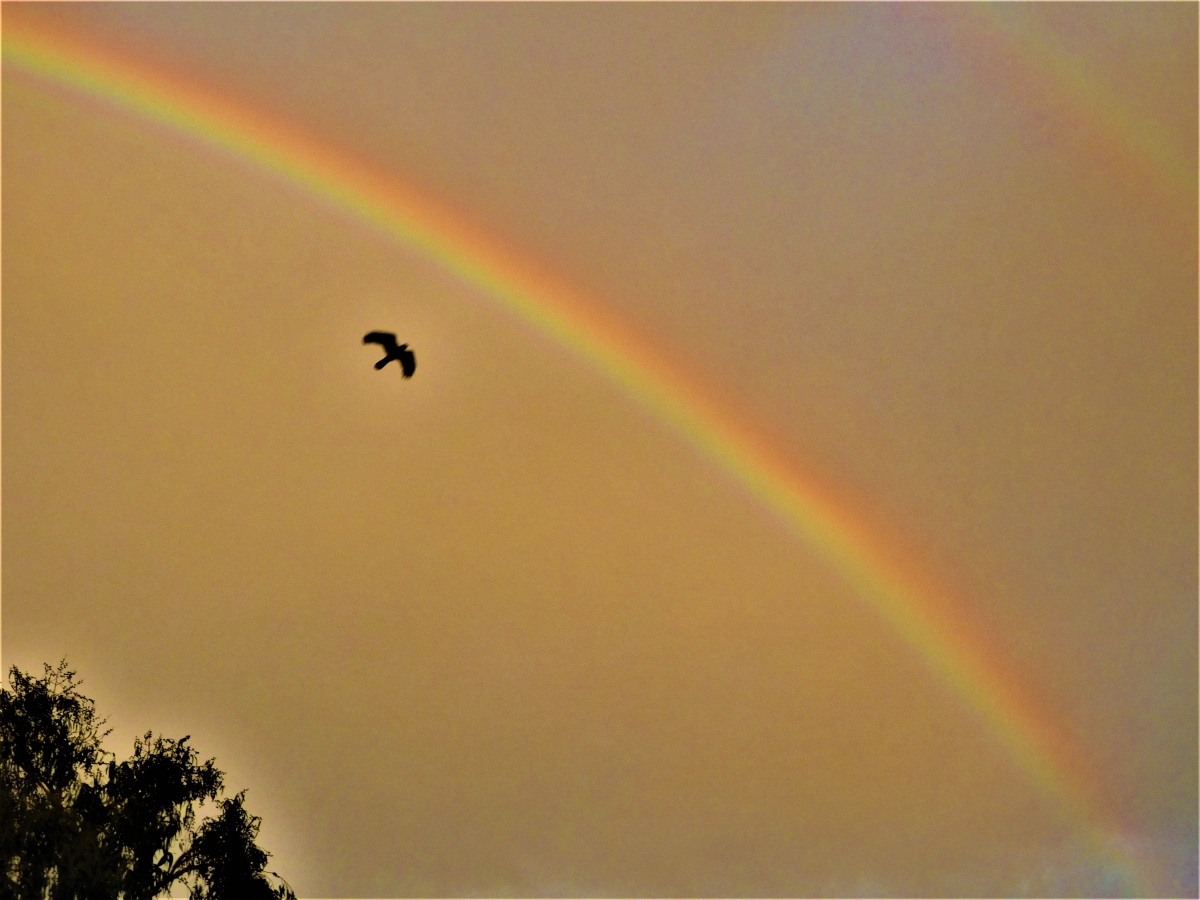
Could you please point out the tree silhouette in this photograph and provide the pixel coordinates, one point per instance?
(76, 823)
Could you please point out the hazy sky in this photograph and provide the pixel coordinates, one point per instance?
(499, 630)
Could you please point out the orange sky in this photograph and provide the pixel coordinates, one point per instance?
(495, 630)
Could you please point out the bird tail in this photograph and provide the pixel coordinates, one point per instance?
(383, 362)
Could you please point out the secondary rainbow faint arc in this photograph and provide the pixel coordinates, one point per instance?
(888, 583)
(1079, 86)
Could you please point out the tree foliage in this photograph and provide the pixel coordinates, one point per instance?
(76, 823)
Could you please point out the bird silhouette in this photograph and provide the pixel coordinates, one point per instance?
(398, 352)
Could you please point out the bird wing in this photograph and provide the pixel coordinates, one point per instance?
(386, 338)
(408, 362)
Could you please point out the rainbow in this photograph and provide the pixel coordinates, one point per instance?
(1073, 92)
(886, 579)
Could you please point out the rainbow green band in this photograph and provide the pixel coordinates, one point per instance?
(892, 587)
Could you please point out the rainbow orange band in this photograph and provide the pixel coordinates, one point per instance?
(891, 585)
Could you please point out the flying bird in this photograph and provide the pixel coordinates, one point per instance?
(398, 352)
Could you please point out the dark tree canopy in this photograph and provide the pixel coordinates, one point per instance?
(76, 823)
